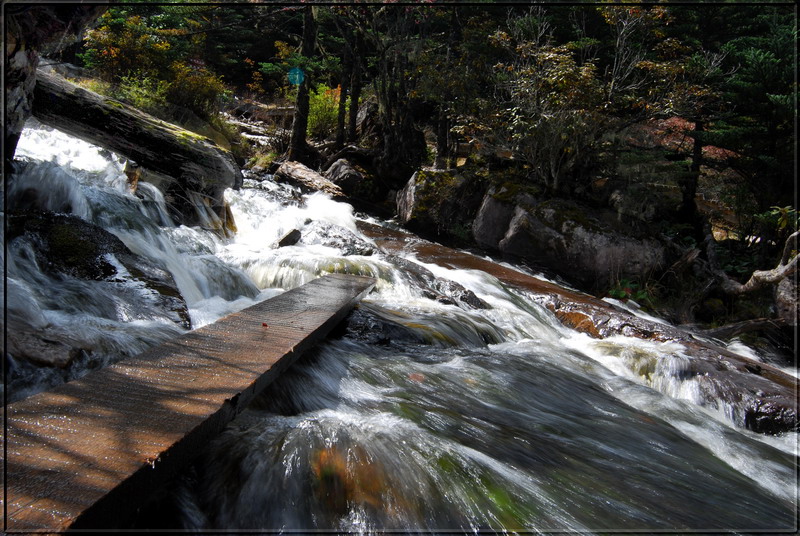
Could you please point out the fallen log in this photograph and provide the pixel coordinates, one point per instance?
(307, 179)
(177, 161)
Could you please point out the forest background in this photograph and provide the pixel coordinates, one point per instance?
(695, 102)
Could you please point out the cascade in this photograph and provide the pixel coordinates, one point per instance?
(426, 413)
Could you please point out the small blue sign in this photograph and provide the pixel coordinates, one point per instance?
(296, 76)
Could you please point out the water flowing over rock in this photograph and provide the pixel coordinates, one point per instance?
(759, 396)
(534, 408)
(66, 246)
(190, 169)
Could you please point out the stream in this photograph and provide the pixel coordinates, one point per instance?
(420, 413)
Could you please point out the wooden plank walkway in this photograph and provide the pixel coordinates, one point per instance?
(81, 454)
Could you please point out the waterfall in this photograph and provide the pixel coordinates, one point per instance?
(426, 413)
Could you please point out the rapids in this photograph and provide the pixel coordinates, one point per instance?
(421, 414)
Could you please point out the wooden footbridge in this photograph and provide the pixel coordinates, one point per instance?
(82, 455)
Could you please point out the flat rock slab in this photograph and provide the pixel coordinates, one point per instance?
(82, 454)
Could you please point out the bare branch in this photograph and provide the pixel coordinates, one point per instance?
(760, 278)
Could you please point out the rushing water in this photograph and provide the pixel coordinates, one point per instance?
(420, 415)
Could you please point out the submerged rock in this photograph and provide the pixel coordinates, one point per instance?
(442, 290)
(66, 247)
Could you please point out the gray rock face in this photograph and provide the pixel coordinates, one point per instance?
(567, 238)
(786, 302)
(407, 199)
(345, 176)
(441, 203)
(31, 29)
(492, 221)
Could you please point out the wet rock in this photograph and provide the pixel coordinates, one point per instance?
(67, 245)
(442, 290)
(335, 236)
(770, 416)
(41, 351)
(365, 324)
(289, 239)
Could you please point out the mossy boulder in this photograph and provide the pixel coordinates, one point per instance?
(442, 203)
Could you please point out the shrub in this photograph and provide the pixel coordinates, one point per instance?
(323, 111)
(143, 92)
(197, 89)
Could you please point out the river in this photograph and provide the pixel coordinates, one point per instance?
(421, 413)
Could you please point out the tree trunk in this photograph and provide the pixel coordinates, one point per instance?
(442, 141)
(355, 95)
(297, 144)
(173, 157)
(787, 267)
(344, 88)
(688, 210)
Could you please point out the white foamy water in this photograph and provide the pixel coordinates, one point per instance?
(427, 414)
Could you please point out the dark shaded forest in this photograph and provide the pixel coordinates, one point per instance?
(678, 118)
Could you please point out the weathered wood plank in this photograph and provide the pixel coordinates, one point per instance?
(81, 454)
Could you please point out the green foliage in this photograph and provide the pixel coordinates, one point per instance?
(323, 111)
(627, 289)
(143, 92)
(196, 89)
(262, 158)
(553, 104)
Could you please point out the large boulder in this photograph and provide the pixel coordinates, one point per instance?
(491, 223)
(575, 242)
(344, 175)
(441, 203)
